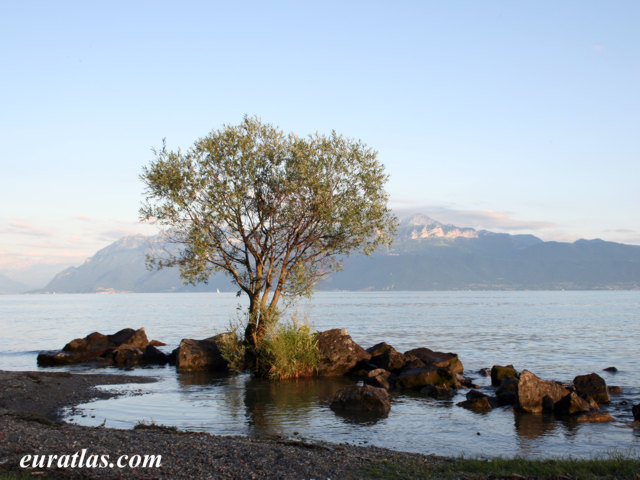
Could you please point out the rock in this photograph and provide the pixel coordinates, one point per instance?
(437, 359)
(439, 392)
(413, 362)
(499, 373)
(154, 356)
(366, 399)
(614, 390)
(385, 356)
(547, 404)
(338, 353)
(532, 390)
(571, 404)
(636, 412)
(201, 354)
(596, 417)
(129, 336)
(465, 381)
(126, 356)
(484, 372)
(96, 348)
(611, 369)
(381, 378)
(592, 385)
(157, 343)
(419, 377)
(478, 402)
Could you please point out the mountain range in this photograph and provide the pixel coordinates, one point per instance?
(426, 255)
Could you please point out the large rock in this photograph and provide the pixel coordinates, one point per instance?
(126, 356)
(95, 348)
(194, 355)
(154, 356)
(592, 385)
(437, 359)
(338, 353)
(533, 390)
(507, 392)
(499, 373)
(366, 399)
(385, 356)
(571, 404)
(636, 412)
(380, 378)
(416, 378)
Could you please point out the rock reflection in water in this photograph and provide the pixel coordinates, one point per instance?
(270, 404)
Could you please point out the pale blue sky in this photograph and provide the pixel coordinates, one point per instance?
(510, 116)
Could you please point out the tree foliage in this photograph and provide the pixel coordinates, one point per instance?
(274, 211)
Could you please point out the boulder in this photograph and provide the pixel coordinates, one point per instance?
(571, 404)
(596, 417)
(95, 348)
(385, 356)
(126, 356)
(611, 369)
(499, 373)
(157, 343)
(416, 378)
(338, 353)
(614, 389)
(478, 402)
(592, 385)
(439, 392)
(532, 390)
(381, 378)
(194, 355)
(507, 392)
(437, 359)
(366, 399)
(636, 412)
(154, 356)
(484, 372)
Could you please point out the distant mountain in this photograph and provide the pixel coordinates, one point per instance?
(427, 255)
(11, 286)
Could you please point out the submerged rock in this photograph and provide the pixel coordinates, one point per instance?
(614, 390)
(416, 378)
(439, 392)
(478, 402)
(572, 404)
(533, 390)
(592, 385)
(338, 352)
(366, 399)
(596, 417)
(611, 369)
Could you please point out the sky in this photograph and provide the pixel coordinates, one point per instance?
(519, 117)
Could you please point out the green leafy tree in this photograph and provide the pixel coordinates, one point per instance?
(273, 211)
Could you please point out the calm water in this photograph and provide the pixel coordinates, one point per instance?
(557, 335)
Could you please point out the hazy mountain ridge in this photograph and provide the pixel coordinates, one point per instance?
(427, 255)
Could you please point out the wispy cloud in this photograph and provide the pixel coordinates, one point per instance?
(20, 226)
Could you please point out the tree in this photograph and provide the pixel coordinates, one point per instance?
(276, 212)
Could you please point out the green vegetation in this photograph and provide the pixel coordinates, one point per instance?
(274, 211)
(401, 467)
(288, 351)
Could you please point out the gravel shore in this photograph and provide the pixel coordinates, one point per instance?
(30, 424)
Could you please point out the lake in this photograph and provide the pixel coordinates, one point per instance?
(557, 335)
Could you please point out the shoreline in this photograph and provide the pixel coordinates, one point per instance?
(31, 424)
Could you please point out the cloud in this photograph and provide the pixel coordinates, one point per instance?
(20, 226)
(597, 48)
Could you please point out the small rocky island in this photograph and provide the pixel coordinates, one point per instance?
(376, 371)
